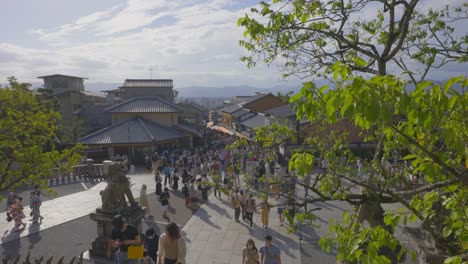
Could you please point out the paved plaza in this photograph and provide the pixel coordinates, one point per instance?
(70, 207)
(212, 235)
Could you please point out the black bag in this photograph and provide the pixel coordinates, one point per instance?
(9, 218)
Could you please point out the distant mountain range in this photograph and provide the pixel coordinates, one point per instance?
(196, 91)
(211, 91)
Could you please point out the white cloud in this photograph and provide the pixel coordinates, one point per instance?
(194, 42)
(198, 46)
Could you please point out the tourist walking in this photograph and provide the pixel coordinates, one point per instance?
(227, 184)
(265, 212)
(164, 199)
(35, 205)
(270, 254)
(16, 212)
(185, 191)
(282, 201)
(292, 208)
(144, 199)
(37, 190)
(250, 253)
(123, 235)
(151, 243)
(235, 202)
(167, 174)
(11, 199)
(158, 186)
(204, 186)
(243, 202)
(175, 181)
(359, 167)
(172, 248)
(250, 209)
(216, 185)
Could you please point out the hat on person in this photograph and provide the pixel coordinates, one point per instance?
(118, 220)
(268, 237)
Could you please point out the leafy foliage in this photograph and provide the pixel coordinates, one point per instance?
(27, 130)
(422, 129)
(307, 37)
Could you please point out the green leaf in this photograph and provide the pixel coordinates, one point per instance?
(421, 86)
(360, 62)
(450, 82)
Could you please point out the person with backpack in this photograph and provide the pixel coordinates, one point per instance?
(164, 199)
(151, 243)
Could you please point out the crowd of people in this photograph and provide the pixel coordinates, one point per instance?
(195, 172)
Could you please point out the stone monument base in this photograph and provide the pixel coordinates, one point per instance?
(88, 259)
(132, 216)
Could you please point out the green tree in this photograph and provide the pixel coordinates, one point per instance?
(27, 131)
(425, 127)
(309, 36)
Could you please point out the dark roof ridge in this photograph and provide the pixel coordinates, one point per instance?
(64, 75)
(148, 80)
(145, 98)
(104, 129)
(144, 126)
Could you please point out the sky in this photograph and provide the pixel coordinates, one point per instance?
(193, 42)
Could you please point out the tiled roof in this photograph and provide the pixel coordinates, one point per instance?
(118, 90)
(188, 129)
(132, 131)
(240, 112)
(147, 83)
(145, 105)
(231, 109)
(255, 121)
(199, 107)
(254, 98)
(282, 111)
(60, 75)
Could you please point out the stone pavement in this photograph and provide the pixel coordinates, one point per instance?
(214, 237)
(67, 208)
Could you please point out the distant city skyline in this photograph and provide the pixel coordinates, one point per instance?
(194, 42)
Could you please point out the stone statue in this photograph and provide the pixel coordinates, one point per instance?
(118, 186)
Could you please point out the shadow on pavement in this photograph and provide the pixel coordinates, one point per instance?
(206, 218)
(218, 209)
(34, 235)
